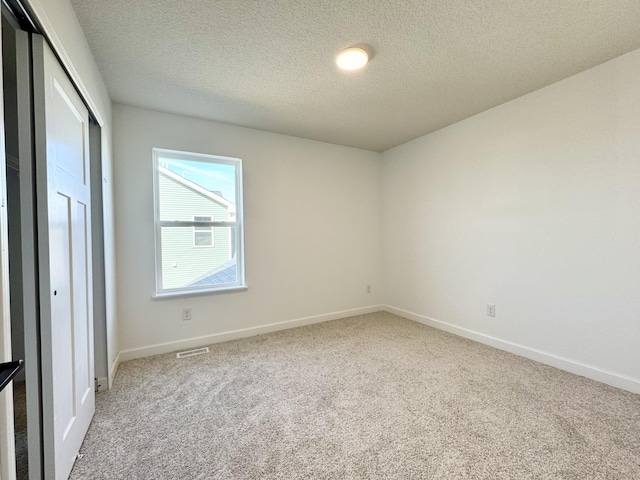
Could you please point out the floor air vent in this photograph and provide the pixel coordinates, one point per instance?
(192, 353)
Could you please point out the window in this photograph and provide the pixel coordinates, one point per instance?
(202, 236)
(198, 222)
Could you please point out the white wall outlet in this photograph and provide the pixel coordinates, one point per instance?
(491, 310)
(186, 314)
(368, 288)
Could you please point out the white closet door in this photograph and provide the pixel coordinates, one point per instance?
(66, 295)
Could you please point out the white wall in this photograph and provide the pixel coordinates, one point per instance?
(61, 25)
(533, 206)
(312, 220)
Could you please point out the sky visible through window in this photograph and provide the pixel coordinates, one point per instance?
(211, 176)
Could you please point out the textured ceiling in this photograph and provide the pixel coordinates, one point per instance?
(269, 64)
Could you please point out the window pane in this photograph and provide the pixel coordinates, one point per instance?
(188, 187)
(191, 191)
(203, 239)
(185, 265)
(202, 236)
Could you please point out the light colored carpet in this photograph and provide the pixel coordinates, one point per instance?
(374, 396)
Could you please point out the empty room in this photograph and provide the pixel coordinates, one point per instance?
(308, 239)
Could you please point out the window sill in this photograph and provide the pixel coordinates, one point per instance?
(167, 295)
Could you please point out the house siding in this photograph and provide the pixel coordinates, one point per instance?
(182, 263)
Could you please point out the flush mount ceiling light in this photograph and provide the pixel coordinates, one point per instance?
(352, 58)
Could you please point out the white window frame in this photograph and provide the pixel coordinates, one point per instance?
(201, 230)
(238, 223)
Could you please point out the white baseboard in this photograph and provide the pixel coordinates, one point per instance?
(114, 369)
(161, 348)
(590, 371)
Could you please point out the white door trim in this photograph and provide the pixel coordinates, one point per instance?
(40, 12)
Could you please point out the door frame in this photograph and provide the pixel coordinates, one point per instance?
(28, 250)
(7, 441)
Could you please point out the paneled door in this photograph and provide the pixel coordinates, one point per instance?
(64, 245)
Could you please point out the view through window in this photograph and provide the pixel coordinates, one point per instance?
(198, 217)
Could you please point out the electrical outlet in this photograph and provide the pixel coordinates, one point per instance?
(368, 288)
(186, 314)
(491, 310)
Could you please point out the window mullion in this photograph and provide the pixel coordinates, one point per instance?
(189, 223)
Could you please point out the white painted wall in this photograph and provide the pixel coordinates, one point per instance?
(533, 206)
(61, 25)
(312, 220)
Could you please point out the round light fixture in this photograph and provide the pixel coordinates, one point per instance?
(352, 58)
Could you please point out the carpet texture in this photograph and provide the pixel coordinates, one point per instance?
(373, 396)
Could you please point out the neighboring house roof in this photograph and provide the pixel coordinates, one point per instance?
(225, 273)
(198, 189)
